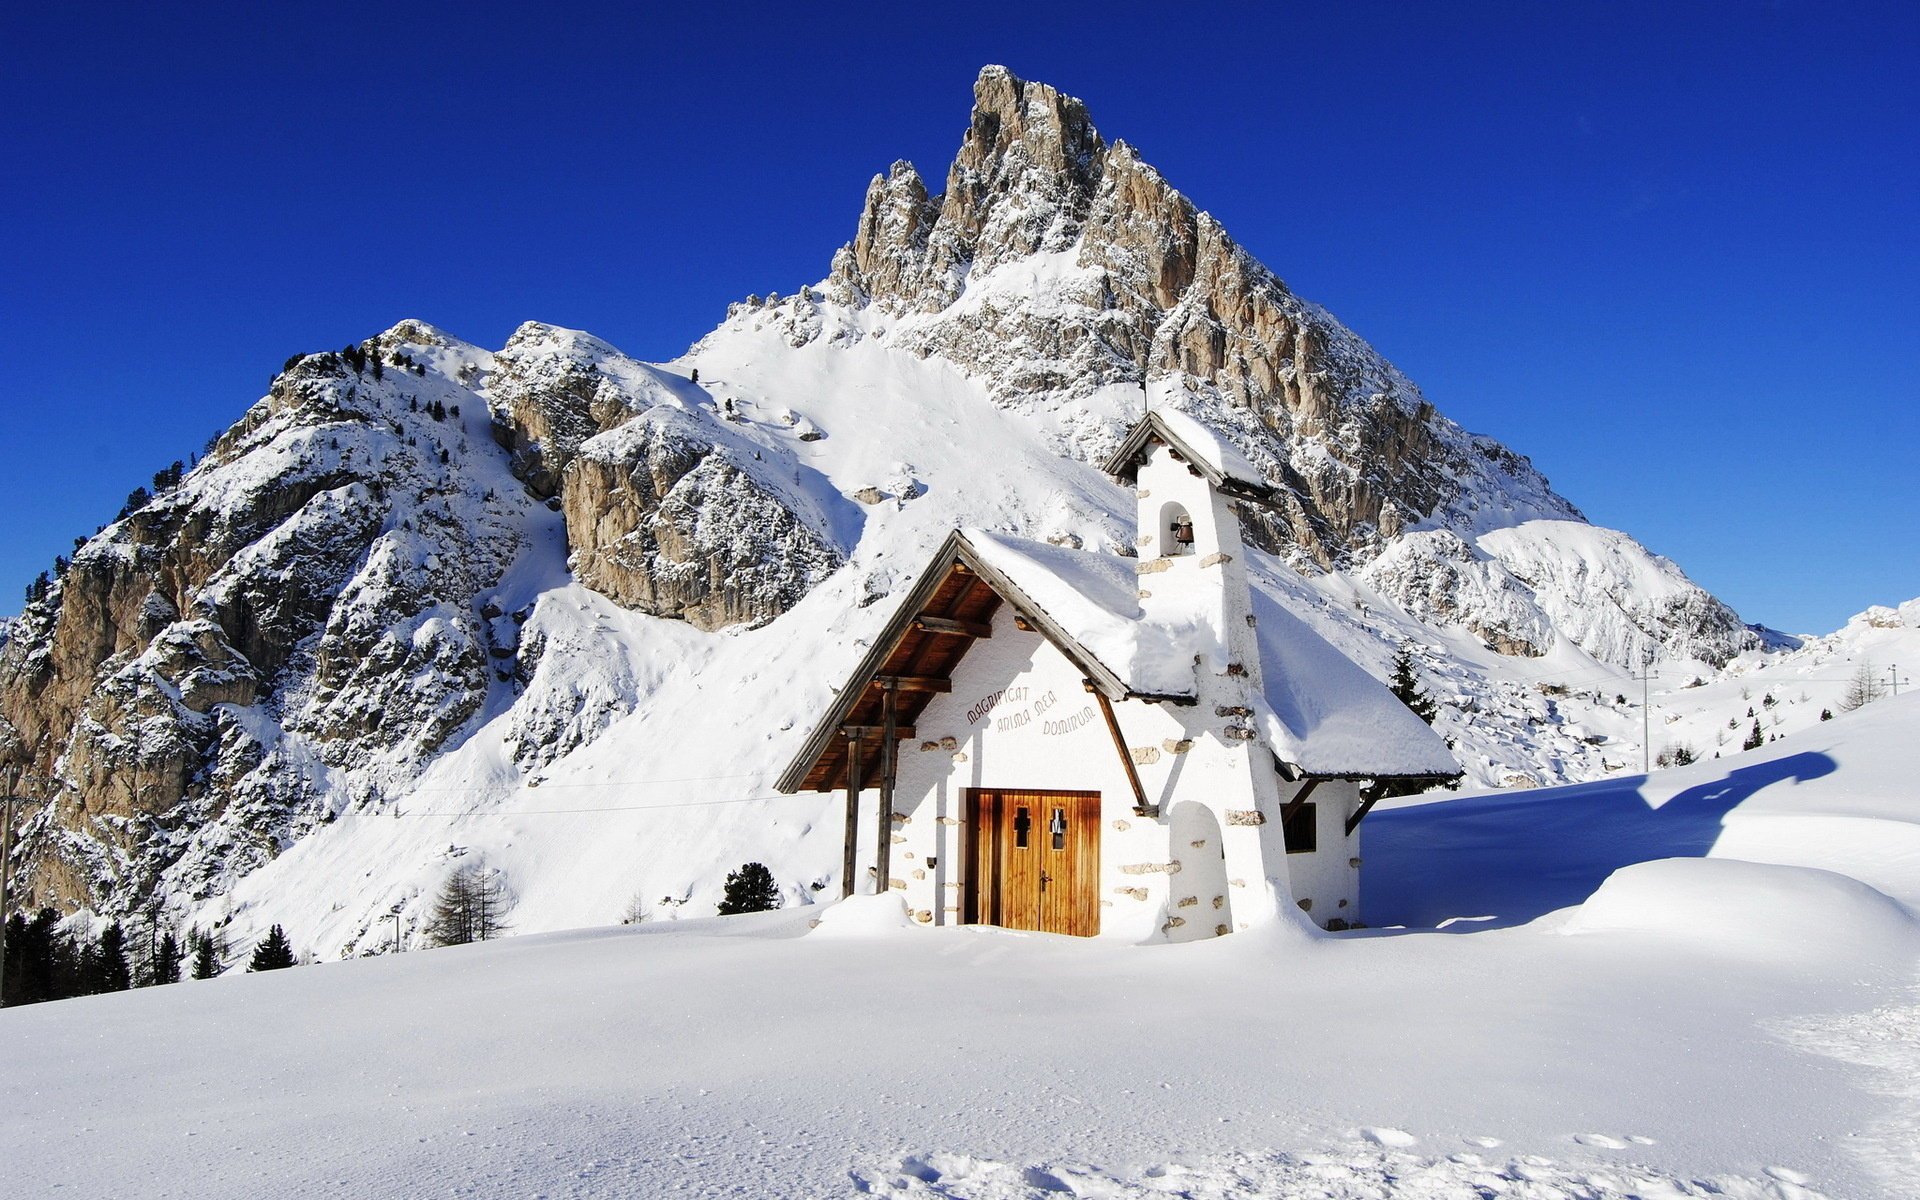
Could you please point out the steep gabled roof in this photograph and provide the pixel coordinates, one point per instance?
(1321, 714)
(1196, 445)
(948, 610)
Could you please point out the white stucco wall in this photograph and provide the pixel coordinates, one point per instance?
(1329, 877)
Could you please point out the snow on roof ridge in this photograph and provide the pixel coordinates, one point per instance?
(1222, 454)
(1197, 442)
(1320, 711)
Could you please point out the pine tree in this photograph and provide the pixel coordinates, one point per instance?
(750, 889)
(471, 907)
(274, 953)
(166, 960)
(45, 964)
(1406, 685)
(16, 960)
(1755, 740)
(206, 958)
(111, 972)
(1863, 689)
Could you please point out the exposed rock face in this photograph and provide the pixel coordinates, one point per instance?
(1056, 265)
(664, 511)
(301, 603)
(321, 606)
(665, 520)
(1135, 285)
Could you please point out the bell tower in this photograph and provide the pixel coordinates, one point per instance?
(1189, 485)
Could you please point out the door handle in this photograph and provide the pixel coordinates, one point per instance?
(1044, 878)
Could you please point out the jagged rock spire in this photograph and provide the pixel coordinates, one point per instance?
(1152, 289)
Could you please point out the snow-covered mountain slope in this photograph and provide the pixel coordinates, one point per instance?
(571, 612)
(1740, 1025)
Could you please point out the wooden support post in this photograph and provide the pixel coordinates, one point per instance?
(1292, 806)
(851, 852)
(1140, 806)
(1369, 796)
(889, 759)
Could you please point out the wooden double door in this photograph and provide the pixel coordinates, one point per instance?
(1033, 860)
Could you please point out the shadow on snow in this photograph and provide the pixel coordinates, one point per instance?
(1516, 856)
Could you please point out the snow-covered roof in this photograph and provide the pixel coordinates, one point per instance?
(1321, 713)
(1095, 600)
(1325, 715)
(1203, 448)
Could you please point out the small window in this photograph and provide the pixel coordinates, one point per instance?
(1022, 823)
(1058, 828)
(1301, 829)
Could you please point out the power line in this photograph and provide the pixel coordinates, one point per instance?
(611, 808)
(604, 783)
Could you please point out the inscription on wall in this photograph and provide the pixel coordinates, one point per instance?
(1031, 710)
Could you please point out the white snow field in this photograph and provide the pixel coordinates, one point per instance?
(1697, 985)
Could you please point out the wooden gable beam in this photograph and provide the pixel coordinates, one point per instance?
(915, 683)
(972, 629)
(901, 733)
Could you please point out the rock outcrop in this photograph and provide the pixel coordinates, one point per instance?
(1056, 265)
(666, 519)
(321, 605)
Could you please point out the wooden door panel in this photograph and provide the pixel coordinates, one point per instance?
(1034, 860)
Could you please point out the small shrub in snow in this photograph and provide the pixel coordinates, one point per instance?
(1677, 755)
(750, 889)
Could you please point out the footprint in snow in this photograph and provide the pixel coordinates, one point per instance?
(1485, 1143)
(1600, 1140)
(1638, 1140)
(1381, 1135)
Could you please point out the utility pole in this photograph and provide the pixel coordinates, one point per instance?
(395, 914)
(1646, 714)
(1893, 677)
(1646, 699)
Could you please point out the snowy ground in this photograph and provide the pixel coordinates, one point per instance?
(1741, 1024)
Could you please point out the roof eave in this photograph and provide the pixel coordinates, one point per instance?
(955, 549)
(1124, 463)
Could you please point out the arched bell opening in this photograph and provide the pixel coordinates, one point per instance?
(1176, 530)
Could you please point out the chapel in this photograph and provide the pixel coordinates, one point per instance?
(1146, 747)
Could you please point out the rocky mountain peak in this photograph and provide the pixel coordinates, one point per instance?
(1082, 269)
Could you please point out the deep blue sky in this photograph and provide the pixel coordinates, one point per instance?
(1667, 250)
